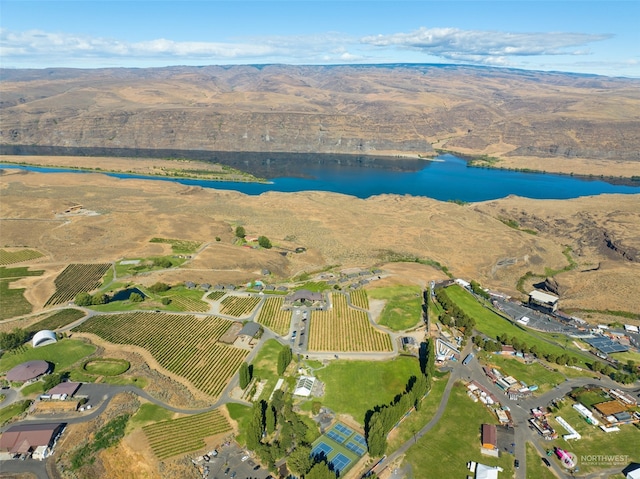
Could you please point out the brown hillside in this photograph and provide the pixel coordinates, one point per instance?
(557, 119)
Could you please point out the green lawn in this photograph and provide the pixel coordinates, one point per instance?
(455, 440)
(529, 373)
(32, 389)
(13, 410)
(595, 441)
(242, 415)
(535, 467)
(106, 366)
(265, 365)
(62, 354)
(148, 413)
(417, 419)
(403, 306)
(354, 387)
(591, 397)
(493, 325)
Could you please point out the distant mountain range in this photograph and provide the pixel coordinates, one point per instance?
(366, 109)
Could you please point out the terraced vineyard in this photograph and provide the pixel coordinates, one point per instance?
(186, 434)
(238, 306)
(183, 344)
(216, 295)
(184, 303)
(345, 329)
(10, 257)
(359, 298)
(77, 278)
(274, 317)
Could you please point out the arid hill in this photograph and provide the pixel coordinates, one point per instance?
(563, 119)
(472, 241)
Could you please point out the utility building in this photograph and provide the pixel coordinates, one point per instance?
(543, 301)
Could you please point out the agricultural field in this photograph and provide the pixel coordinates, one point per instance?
(57, 320)
(238, 306)
(216, 295)
(275, 318)
(183, 344)
(359, 298)
(185, 434)
(11, 257)
(354, 387)
(62, 354)
(13, 301)
(403, 306)
(77, 278)
(18, 272)
(178, 246)
(186, 303)
(342, 328)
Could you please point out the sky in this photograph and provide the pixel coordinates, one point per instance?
(570, 36)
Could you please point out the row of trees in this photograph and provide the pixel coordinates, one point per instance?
(380, 420)
(284, 359)
(85, 299)
(245, 375)
(477, 289)
(453, 315)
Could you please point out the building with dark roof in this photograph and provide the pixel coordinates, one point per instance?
(304, 295)
(250, 329)
(25, 438)
(489, 436)
(69, 388)
(28, 371)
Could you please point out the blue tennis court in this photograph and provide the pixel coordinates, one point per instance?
(340, 462)
(322, 448)
(343, 429)
(353, 447)
(360, 440)
(336, 437)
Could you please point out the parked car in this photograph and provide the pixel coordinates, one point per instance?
(516, 464)
(546, 462)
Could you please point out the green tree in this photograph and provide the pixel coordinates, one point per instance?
(136, 298)
(320, 471)
(166, 301)
(162, 262)
(270, 419)
(300, 461)
(284, 358)
(245, 375)
(83, 299)
(51, 380)
(159, 287)
(14, 339)
(100, 298)
(240, 232)
(264, 242)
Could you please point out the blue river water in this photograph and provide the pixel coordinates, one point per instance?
(447, 179)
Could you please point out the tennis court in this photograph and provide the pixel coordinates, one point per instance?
(341, 446)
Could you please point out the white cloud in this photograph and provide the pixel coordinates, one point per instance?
(484, 46)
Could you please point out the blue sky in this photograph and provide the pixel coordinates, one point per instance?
(572, 36)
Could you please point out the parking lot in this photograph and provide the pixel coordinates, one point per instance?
(537, 320)
(233, 462)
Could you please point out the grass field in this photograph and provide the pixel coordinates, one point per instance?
(596, 441)
(242, 415)
(591, 397)
(13, 410)
(529, 373)
(148, 413)
(403, 306)
(535, 467)
(353, 387)
(62, 354)
(265, 365)
(178, 246)
(445, 450)
(106, 366)
(493, 325)
(417, 419)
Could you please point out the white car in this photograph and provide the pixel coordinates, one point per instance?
(244, 458)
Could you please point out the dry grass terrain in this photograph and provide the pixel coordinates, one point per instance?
(550, 121)
(470, 240)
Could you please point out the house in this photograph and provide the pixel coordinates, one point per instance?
(189, 284)
(205, 286)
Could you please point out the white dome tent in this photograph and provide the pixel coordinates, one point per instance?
(44, 337)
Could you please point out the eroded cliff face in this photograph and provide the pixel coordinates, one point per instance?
(340, 109)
